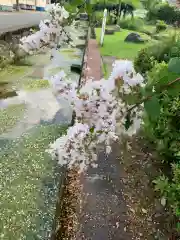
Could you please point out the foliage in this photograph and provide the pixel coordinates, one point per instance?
(160, 26)
(159, 51)
(4, 61)
(164, 129)
(164, 11)
(98, 16)
(149, 4)
(114, 45)
(168, 13)
(170, 189)
(152, 14)
(135, 24)
(135, 3)
(102, 106)
(143, 62)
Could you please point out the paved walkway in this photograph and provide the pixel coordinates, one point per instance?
(104, 212)
(13, 21)
(94, 60)
(104, 209)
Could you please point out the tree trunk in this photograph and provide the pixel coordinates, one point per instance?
(17, 5)
(119, 9)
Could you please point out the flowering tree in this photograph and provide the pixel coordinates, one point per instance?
(105, 109)
(99, 110)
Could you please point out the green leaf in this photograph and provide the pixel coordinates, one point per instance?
(152, 107)
(174, 65)
(89, 8)
(174, 51)
(174, 88)
(128, 121)
(131, 99)
(91, 129)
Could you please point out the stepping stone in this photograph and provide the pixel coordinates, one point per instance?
(134, 37)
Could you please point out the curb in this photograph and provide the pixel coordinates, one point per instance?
(59, 205)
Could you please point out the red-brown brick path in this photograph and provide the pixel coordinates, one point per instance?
(93, 60)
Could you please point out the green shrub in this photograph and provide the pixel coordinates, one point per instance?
(152, 14)
(159, 36)
(165, 12)
(165, 49)
(160, 51)
(168, 13)
(165, 130)
(135, 24)
(160, 26)
(144, 61)
(170, 189)
(98, 17)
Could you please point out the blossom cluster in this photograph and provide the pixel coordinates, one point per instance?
(50, 30)
(98, 111)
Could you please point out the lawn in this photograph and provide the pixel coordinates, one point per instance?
(114, 45)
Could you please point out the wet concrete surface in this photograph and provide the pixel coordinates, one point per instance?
(14, 21)
(104, 212)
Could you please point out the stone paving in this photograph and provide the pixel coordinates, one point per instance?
(93, 60)
(104, 208)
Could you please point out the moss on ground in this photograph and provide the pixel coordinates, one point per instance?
(12, 72)
(35, 84)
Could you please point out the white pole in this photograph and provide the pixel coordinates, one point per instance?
(103, 26)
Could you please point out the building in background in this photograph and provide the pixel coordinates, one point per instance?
(38, 5)
(6, 5)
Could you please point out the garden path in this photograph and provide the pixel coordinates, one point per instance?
(104, 209)
(119, 201)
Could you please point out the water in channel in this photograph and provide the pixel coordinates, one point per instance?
(30, 119)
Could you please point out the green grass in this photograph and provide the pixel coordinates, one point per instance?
(29, 179)
(10, 116)
(105, 71)
(114, 45)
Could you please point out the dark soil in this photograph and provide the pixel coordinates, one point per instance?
(149, 219)
(66, 223)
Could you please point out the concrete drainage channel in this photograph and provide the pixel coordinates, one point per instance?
(68, 177)
(41, 208)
